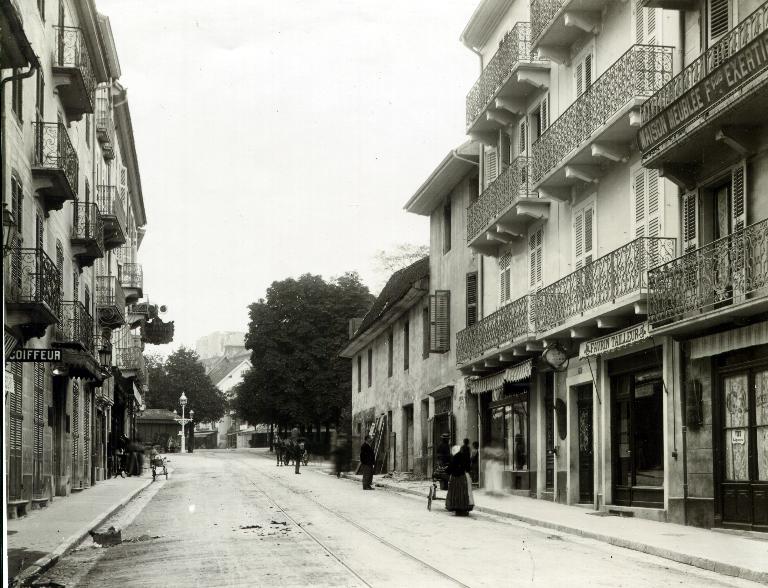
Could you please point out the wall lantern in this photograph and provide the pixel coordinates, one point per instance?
(556, 357)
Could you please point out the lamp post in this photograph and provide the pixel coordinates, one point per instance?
(183, 421)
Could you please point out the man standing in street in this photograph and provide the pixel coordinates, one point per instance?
(367, 461)
(279, 450)
(294, 449)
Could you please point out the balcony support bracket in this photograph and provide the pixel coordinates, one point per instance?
(583, 332)
(537, 79)
(611, 322)
(641, 308)
(559, 193)
(533, 208)
(610, 151)
(499, 116)
(491, 236)
(490, 363)
(683, 175)
(508, 230)
(635, 118)
(516, 107)
(583, 173)
(507, 357)
(489, 139)
(740, 139)
(559, 55)
(587, 21)
(534, 346)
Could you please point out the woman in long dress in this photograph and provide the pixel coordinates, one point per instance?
(459, 498)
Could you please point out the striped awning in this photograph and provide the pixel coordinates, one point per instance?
(521, 371)
(710, 345)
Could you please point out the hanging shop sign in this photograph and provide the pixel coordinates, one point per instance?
(556, 356)
(38, 355)
(615, 341)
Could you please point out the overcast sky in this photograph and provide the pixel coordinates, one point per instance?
(279, 138)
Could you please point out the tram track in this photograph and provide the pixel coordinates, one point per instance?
(347, 520)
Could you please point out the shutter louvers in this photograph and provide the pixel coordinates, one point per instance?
(545, 112)
(471, 298)
(579, 81)
(640, 199)
(491, 166)
(588, 236)
(439, 316)
(523, 137)
(578, 235)
(639, 23)
(690, 222)
(719, 19)
(738, 197)
(535, 258)
(587, 71)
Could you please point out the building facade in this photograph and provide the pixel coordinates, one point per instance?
(72, 280)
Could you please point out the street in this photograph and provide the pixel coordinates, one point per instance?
(233, 518)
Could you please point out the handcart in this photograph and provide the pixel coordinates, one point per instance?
(158, 466)
(439, 476)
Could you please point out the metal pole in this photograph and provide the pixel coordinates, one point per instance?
(183, 432)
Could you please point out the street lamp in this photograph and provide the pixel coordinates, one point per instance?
(183, 421)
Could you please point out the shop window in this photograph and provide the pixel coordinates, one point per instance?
(509, 432)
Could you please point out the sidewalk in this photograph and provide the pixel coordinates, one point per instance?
(36, 541)
(743, 555)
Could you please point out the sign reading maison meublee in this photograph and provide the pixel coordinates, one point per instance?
(39, 355)
(614, 341)
(718, 83)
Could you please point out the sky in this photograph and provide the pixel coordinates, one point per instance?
(284, 137)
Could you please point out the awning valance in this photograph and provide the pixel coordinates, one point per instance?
(521, 371)
(81, 365)
(748, 336)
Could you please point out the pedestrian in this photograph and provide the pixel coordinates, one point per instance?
(444, 451)
(279, 450)
(294, 449)
(367, 461)
(474, 462)
(459, 499)
(340, 455)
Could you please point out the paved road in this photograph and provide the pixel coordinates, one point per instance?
(228, 518)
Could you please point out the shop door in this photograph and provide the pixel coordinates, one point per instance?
(638, 443)
(408, 457)
(744, 485)
(549, 417)
(586, 457)
(15, 430)
(59, 429)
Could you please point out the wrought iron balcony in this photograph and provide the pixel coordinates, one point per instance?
(105, 125)
(132, 281)
(75, 326)
(130, 358)
(500, 330)
(685, 99)
(110, 302)
(55, 166)
(505, 208)
(112, 211)
(599, 112)
(559, 23)
(608, 284)
(713, 284)
(505, 77)
(73, 73)
(32, 290)
(87, 233)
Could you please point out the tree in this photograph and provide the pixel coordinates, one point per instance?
(403, 255)
(295, 335)
(183, 372)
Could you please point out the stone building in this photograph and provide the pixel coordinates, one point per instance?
(72, 281)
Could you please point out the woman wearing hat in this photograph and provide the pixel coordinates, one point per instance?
(459, 498)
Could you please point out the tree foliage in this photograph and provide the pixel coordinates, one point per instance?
(403, 255)
(183, 372)
(295, 335)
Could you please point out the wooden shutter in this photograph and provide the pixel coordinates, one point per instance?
(587, 71)
(690, 222)
(471, 298)
(504, 278)
(359, 373)
(584, 236)
(583, 74)
(523, 137)
(647, 196)
(739, 197)
(390, 353)
(640, 199)
(491, 165)
(579, 75)
(439, 321)
(544, 113)
(39, 231)
(535, 250)
(719, 19)
(122, 183)
(17, 201)
(645, 24)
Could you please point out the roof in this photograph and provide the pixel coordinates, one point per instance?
(157, 415)
(110, 51)
(401, 291)
(222, 368)
(449, 172)
(483, 21)
(128, 152)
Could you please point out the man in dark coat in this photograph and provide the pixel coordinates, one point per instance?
(367, 461)
(444, 451)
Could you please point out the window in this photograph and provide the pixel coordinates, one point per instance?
(447, 227)
(584, 234)
(40, 96)
(719, 20)
(439, 321)
(689, 220)
(522, 135)
(535, 253)
(17, 91)
(390, 352)
(505, 278)
(541, 116)
(648, 203)
(491, 166)
(645, 24)
(406, 345)
(425, 333)
(471, 298)
(582, 74)
(359, 373)
(370, 367)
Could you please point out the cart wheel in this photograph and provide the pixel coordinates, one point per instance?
(122, 473)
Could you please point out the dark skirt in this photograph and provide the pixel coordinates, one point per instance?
(457, 499)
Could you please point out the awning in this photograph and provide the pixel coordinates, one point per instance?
(81, 365)
(749, 336)
(521, 371)
(137, 394)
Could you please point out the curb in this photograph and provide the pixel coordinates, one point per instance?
(679, 557)
(47, 561)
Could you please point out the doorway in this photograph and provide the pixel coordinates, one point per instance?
(744, 439)
(59, 431)
(586, 444)
(549, 419)
(408, 438)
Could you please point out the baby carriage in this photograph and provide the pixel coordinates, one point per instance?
(157, 463)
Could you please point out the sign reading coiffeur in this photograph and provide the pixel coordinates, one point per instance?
(615, 341)
(39, 355)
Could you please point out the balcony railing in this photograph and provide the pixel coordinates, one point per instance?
(105, 126)
(739, 37)
(722, 273)
(75, 326)
(514, 48)
(505, 189)
(111, 203)
(72, 51)
(542, 13)
(131, 276)
(130, 356)
(110, 299)
(54, 151)
(640, 72)
(87, 224)
(610, 277)
(506, 324)
(31, 277)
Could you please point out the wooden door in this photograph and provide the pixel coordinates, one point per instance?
(586, 444)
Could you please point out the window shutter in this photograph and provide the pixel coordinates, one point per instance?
(535, 250)
(579, 79)
(491, 165)
(719, 19)
(589, 235)
(439, 317)
(738, 197)
(654, 208)
(17, 200)
(523, 146)
(690, 220)
(578, 240)
(587, 71)
(545, 113)
(504, 278)
(639, 194)
(639, 22)
(471, 298)
(39, 228)
(123, 184)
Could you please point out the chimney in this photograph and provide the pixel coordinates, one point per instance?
(354, 325)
